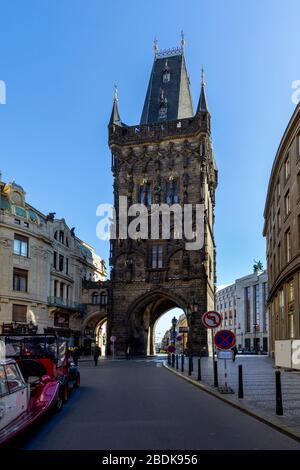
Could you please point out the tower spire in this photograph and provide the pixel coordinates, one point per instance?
(155, 47)
(115, 116)
(182, 41)
(202, 105)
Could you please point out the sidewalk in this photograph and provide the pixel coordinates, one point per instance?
(259, 388)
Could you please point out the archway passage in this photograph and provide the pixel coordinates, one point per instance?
(171, 329)
(136, 327)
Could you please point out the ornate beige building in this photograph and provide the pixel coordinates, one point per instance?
(43, 267)
(282, 232)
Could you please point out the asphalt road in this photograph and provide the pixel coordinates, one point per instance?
(140, 405)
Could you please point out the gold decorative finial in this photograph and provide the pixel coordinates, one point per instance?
(155, 47)
(202, 77)
(115, 92)
(182, 40)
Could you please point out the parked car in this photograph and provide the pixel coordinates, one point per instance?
(35, 376)
(23, 402)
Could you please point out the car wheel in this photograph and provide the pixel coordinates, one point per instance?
(65, 392)
(59, 402)
(77, 381)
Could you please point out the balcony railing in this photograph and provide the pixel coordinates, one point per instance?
(67, 304)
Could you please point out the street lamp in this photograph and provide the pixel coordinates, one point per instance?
(191, 309)
(174, 323)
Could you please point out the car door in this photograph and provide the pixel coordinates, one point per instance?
(16, 401)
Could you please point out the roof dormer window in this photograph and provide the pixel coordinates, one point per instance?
(166, 76)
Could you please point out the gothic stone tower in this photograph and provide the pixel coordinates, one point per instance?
(167, 158)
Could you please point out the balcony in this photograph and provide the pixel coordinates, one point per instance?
(66, 304)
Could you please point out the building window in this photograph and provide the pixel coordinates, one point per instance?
(61, 263)
(288, 245)
(172, 192)
(20, 280)
(166, 76)
(55, 288)
(278, 220)
(95, 298)
(145, 194)
(287, 203)
(61, 290)
(55, 260)
(68, 292)
(67, 265)
(19, 313)
(55, 235)
(157, 256)
(279, 258)
(17, 221)
(298, 146)
(278, 189)
(287, 167)
(61, 237)
(256, 301)
(247, 309)
(20, 245)
(298, 185)
(103, 298)
(61, 320)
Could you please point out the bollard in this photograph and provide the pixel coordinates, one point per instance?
(199, 369)
(241, 385)
(190, 366)
(169, 359)
(216, 383)
(173, 360)
(176, 361)
(182, 362)
(279, 407)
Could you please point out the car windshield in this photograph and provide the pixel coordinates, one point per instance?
(30, 346)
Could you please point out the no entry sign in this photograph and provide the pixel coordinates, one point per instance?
(224, 339)
(211, 319)
(171, 349)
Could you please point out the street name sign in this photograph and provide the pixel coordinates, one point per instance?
(211, 319)
(224, 339)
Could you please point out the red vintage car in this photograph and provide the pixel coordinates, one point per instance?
(35, 376)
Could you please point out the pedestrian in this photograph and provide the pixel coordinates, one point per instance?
(76, 355)
(234, 353)
(97, 353)
(128, 352)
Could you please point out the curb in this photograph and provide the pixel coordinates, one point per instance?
(260, 416)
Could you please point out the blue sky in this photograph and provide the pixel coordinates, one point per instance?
(60, 58)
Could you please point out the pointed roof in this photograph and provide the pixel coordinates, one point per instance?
(202, 105)
(168, 95)
(115, 116)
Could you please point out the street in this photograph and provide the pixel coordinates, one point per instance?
(138, 404)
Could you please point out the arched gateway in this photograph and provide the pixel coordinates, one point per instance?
(166, 159)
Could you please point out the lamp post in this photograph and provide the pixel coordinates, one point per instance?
(174, 323)
(191, 309)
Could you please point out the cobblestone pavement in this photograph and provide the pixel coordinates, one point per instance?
(259, 384)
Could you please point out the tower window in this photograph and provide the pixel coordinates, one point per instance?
(157, 256)
(166, 76)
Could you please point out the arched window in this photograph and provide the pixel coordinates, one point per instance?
(61, 236)
(166, 76)
(95, 297)
(67, 242)
(103, 298)
(55, 235)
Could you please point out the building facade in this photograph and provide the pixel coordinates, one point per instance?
(282, 232)
(167, 158)
(243, 306)
(42, 269)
